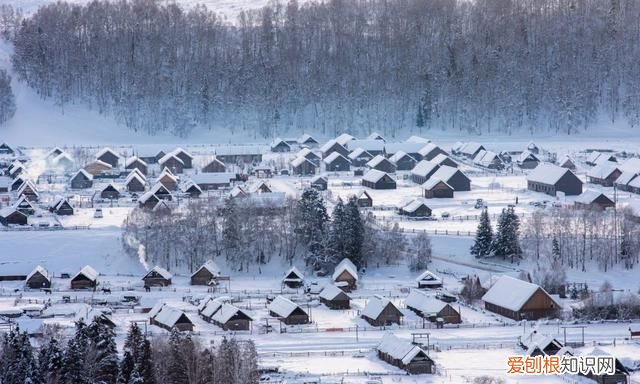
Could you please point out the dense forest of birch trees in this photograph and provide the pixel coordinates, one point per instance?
(469, 66)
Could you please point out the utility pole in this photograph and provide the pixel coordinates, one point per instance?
(615, 220)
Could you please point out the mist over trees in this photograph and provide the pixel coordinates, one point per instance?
(7, 98)
(385, 65)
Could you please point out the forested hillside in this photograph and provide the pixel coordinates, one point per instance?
(487, 66)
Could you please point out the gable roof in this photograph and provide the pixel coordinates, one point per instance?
(588, 197)
(307, 138)
(134, 175)
(331, 292)
(344, 139)
(630, 165)
(277, 141)
(359, 152)
(527, 155)
(399, 156)
(376, 305)
(106, 150)
(327, 146)
(293, 274)
(376, 161)
(38, 269)
(226, 312)
(424, 167)
(168, 156)
(368, 144)
(345, 265)
(429, 276)
(417, 139)
(298, 161)
(408, 147)
(84, 173)
(363, 194)
(433, 182)
(626, 177)
(283, 307)
(158, 187)
(548, 174)
(333, 156)
(603, 170)
(428, 148)
(414, 205)
(88, 272)
(169, 316)
(399, 349)
(160, 271)
(426, 304)
(445, 173)
(374, 175)
(134, 159)
(511, 293)
(210, 266)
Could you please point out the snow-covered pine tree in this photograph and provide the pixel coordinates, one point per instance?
(484, 236)
(338, 233)
(7, 98)
(355, 232)
(231, 240)
(177, 370)
(419, 117)
(50, 361)
(420, 252)
(507, 241)
(73, 361)
(555, 249)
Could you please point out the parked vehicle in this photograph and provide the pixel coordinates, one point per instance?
(98, 213)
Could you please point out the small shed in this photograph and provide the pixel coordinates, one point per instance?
(551, 179)
(428, 279)
(528, 160)
(98, 167)
(363, 199)
(604, 174)
(308, 140)
(287, 311)
(360, 157)
(334, 298)
(376, 179)
(437, 189)
(82, 180)
(432, 309)
(423, 171)
(404, 355)
(25, 206)
(302, 166)
(454, 177)
(567, 162)
(280, 145)
(157, 277)
(168, 179)
(172, 162)
(86, 278)
(332, 146)
(135, 183)
(345, 275)
(207, 274)
(320, 183)
(38, 278)
(415, 209)
(62, 207)
(293, 278)
(110, 192)
(186, 157)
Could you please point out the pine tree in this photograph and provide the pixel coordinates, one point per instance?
(230, 230)
(507, 242)
(73, 361)
(7, 98)
(102, 352)
(555, 249)
(207, 373)
(484, 237)
(338, 233)
(145, 365)
(311, 217)
(228, 362)
(50, 360)
(354, 238)
(177, 370)
(249, 369)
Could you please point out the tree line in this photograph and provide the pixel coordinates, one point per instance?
(391, 66)
(250, 232)
(90, 356)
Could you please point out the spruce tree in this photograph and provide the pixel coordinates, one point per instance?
(484, 236)
(145, 365)
(103, 353)
(355, 231)
(507, 241)
(312, 217)
(177, 370)
(73, 361)
(555, 249)
(50, 360)
(338, 233)
(230, 230)
(420, 117)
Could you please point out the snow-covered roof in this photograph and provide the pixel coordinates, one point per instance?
(626, 177)
(319, 178)
(445, 173)
(375, 306)
(327, 146)
(39, 269)
(359, 152)
(304, 152)
(330, 292)
(391, 148)
(344, 139)
(134, 159)
(25, 185)
(234, 150)
(169, 316)
(368, 144)
(603, 170)
(277, 141)
(547, 174)
(298, 161)
(428, 276)
(373, 175)
(634, 183)
(510, 293)
(399, 349)
(88, 272)
(134, 175)
(160, 271)
(527, 155)
(440, 157)
(5, 181)
(593, 157)
(212, 307)
(237, 191)
(418, 139)
(399, 156)
(306, 137)
(293, 274)
(84, 173)
(212, 177)
(428, 148)
(106, 150)
(587, 197)
(345, 265)
(470, 148)
(376, 161)
(432, 182)
(168, 156)
(333, 156)
(61, 157)
(424, 167)
(210, 266)
(414, 205)
(152, 192)
(226, 312)
(426, 304)
(375, 136)
(283, 307)
(478, 157)
(630, 165)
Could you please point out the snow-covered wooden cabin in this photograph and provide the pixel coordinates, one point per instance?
(345, 275)
(519, 300)
(432, 309)
(287, 311)
(207, 274)
(293, 278)
(157, 277)
(334, 297)
(380, 311)
(87, 277)
(428, 279)
(38, 278)
(404, 355)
